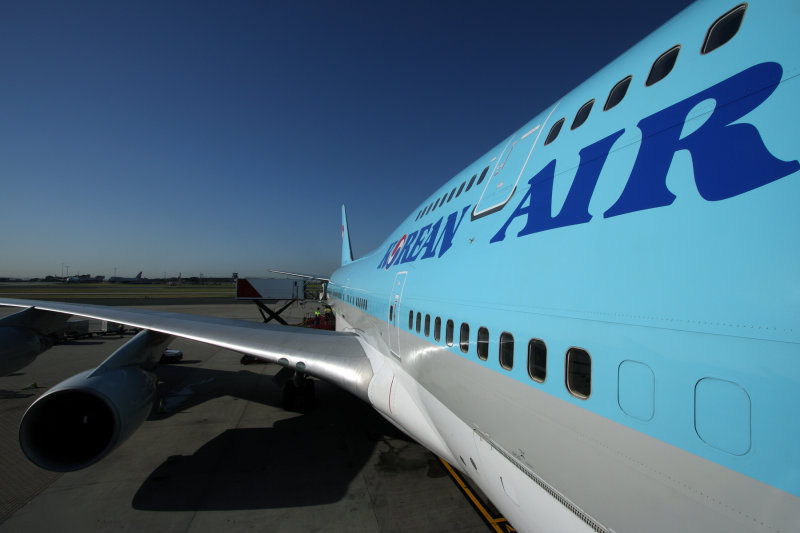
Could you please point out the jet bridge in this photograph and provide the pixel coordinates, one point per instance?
(283, 292)
(286, 301)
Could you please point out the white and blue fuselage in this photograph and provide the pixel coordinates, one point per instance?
(602, 330)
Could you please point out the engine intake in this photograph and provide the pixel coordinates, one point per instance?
(80, 420)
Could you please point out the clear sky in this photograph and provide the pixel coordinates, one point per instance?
(219, 137)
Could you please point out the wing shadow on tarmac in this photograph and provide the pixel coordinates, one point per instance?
(309, 459)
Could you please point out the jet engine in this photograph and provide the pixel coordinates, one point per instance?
(80, 420)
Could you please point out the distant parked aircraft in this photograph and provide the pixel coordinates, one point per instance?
(85, 279)
(119, 279)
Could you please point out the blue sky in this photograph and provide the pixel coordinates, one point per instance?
(219, 137)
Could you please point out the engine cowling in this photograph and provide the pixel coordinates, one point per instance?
(80, 420)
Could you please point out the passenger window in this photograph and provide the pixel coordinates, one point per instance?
(437, 329)
(537, 360)
(483, 343)
(663, 66)
(579, 373)
(460, 189)
(554, 131)
(464, 339)
(410, 320)
(391, 311)
(582, 114)
(448, 333)
(723, 29)
(483, 175)
(471, 181)
(617, 93)
(427, 325)
(506, 350)
(419, 321)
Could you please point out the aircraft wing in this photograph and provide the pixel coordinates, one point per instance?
(304, 276)
(337, 357)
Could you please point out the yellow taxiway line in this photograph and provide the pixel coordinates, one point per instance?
(499, 524)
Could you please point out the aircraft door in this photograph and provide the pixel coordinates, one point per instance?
(395, 298)
(507, 171)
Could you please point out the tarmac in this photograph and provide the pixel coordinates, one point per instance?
(221, 454)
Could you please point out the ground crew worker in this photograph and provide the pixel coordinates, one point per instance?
(316, 314)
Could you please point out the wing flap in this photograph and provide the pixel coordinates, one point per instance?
(337, 357)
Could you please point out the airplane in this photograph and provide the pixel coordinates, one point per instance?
(120, 279)
(596, 321)
(85, 279)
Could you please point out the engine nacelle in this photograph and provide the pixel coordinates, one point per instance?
(19, 347)
(80, 420)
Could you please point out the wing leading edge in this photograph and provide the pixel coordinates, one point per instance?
(337, 357)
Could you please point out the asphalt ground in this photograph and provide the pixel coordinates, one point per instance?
(219, 452)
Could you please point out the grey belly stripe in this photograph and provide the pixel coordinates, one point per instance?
(563, 500)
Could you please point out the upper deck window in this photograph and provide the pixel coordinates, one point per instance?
(410, 320)
(427, 325)
(471, 181)
(618, 93)
(582, 114)
(419, 321)
(663, 65)
(723, 29)
(483, 175)
(437, 328)
(554, 131)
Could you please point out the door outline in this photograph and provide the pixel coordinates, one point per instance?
(395, 298)
(507, 190)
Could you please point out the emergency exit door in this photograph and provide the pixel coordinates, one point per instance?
(395, 299)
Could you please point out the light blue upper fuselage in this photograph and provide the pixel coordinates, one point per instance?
(669, 252)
